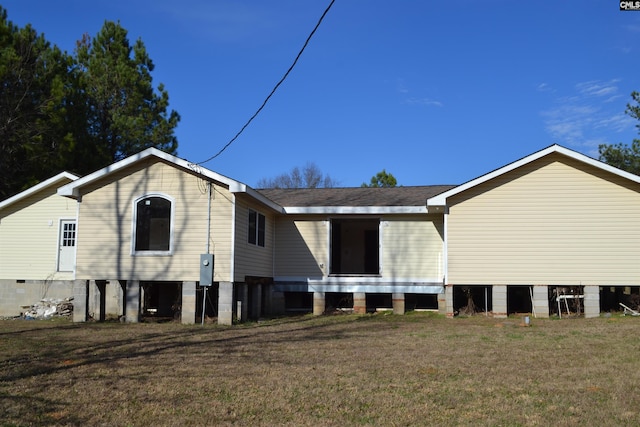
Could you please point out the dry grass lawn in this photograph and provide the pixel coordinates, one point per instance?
(344, 370)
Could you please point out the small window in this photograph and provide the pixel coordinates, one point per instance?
(68, 234)
(256, 228)
(152, 224)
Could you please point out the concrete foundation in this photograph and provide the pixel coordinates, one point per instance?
(448, 301)
(188, 309)
(442, 303)
(499, 299)
(225, 303)
(541, 301)
(591, 301)
(319, 301)
(398, 303)
(15, 294)
(80, 300)
(132, 301)
(359, 302)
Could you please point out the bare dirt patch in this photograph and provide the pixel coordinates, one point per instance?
(417, 369)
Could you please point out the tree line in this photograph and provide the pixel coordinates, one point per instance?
(76, 112)
(84, 110)
(624, 156)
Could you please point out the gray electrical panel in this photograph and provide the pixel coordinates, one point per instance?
(206, 269)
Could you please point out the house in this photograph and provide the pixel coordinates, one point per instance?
(159, 237)
(359, 248)
(529, 233)
(144, 223)
(37, 245)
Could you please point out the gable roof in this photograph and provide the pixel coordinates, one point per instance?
(73, 189)
(439, 201)
(354, 199)
(54, 180)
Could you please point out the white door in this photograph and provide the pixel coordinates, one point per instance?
(67, 245)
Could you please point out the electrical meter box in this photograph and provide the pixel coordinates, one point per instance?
(206, 269)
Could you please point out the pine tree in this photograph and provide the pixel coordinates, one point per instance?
(124, 114)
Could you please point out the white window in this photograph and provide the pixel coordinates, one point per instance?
(257, 224)
(152, 225)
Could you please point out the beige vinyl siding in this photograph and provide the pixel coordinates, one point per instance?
(302, 247)
(106, 226)
(251, 259)
(554, 221)
(412, 246)
(29, 232)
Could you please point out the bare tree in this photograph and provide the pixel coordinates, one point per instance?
(309, 176)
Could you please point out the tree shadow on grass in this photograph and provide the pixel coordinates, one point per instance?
(115, 353)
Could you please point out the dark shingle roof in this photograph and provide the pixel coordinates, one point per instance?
(354, 196)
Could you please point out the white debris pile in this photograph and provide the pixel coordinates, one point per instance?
(49, 307)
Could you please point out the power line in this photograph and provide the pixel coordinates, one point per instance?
(295, 61)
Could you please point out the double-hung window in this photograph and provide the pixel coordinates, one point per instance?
(257, 225)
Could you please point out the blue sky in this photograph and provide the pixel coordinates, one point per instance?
(435, 92)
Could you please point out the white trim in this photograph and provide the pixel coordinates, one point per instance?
(445, 247)
(134, 220)
(441, 199)
(239, 187)
(73, 189)
(32, 190)
(232, 260)
(363, 210)
(381, 224)
(372, 280)
(59, 244)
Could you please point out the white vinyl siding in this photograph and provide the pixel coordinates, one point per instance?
(302, 247)
(105, 231)
(554, 221)
(252, 259)
(412, 246)
(29, 236)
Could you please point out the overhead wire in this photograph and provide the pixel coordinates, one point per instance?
(264, 103)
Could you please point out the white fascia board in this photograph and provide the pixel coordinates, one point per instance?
(73, 189)
(441, 199)
(62, 176)
(337, 280)
(359, 210)
(239, 187)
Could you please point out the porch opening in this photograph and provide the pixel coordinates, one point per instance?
(566, 300)
(355, 246)
(338, 302)
(161, 301)
(377, 302)
(612, 296)
(413, 302)
(519, 299)
(298, 302)
(469, 300)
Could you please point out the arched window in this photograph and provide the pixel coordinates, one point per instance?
(152, 231)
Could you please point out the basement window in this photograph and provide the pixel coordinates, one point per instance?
(355, 246)
(152, 225)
